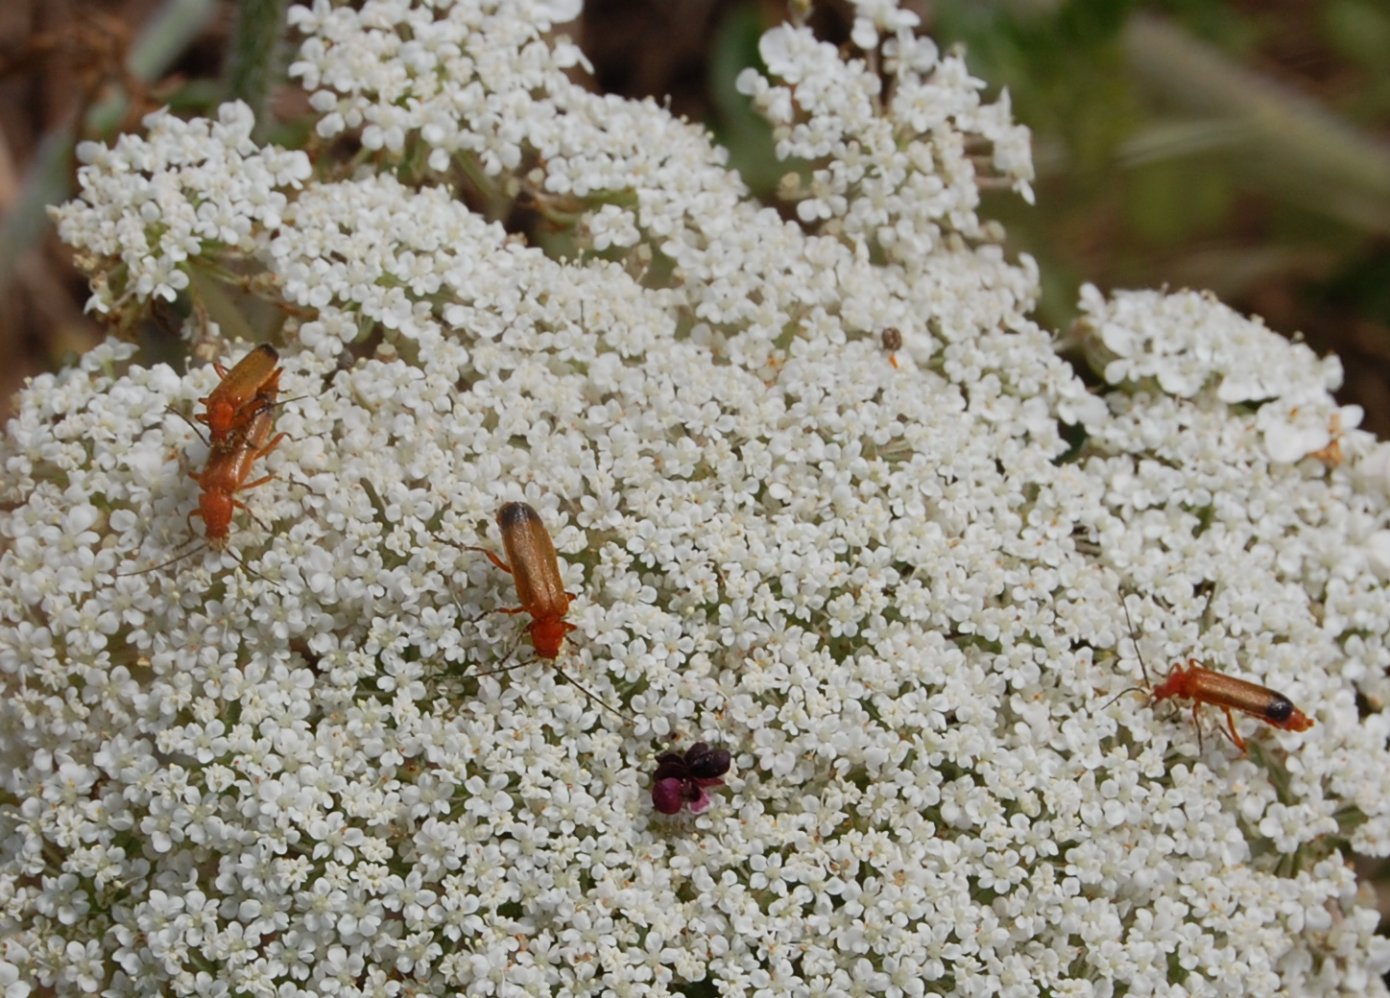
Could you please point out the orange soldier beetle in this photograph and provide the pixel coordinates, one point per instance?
(535, 567)
(242, 392)
(1202, 685)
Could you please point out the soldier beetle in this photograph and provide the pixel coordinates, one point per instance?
(241, 393)
(1201, 685)
(535, 567)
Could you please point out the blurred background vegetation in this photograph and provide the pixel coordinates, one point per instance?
(1242, 147)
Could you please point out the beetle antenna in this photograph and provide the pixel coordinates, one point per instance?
(1124, 602)
(197, 546)
(563, 675)
(196, 428)
(1148, 683)
(1127, 689)
(510, 652)
(497, 671)
(593, 696)
(241, 561)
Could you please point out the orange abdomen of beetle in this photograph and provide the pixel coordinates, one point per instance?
(225, 470)
(1203, 685)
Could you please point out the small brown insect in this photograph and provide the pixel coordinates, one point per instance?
(1331, 455)
(536, 570)
(1202, 685)
(892, 339)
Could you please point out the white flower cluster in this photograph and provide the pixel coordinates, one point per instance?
(892, 593)
(476, 79)
(897, 179)
(1187, 342)
(152, 205)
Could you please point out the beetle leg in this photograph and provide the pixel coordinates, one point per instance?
(262, 452)
(1235, 735)
(492, 558)
(251, 485)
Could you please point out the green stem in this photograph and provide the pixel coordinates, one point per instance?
(253, 62)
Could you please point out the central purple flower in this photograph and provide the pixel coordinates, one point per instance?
(682, 778)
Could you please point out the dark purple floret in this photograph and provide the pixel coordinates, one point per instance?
(681, 778)
(707, 763)
(668, 795)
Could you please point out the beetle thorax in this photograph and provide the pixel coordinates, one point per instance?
(548, 634)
